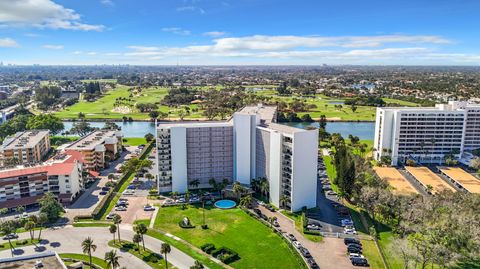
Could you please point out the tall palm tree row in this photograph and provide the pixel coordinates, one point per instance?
(117, 219)
(141, 229)
(113, 230)
(88, 247)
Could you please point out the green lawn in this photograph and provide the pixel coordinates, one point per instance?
(134, 141)
(256, 244)
(102, 108)
(370, 251)
(153, 259)
(92, 224)
(82, 257)
(19, 243)
(297, 218)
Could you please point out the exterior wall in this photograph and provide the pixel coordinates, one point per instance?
(178, 137)
(244, 137)
(210, 154)
(262, 153)
(472, 128)
(305, 161)
(274, 167)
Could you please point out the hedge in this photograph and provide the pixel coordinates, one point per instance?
(99, 211)
(226, 255)
(208, 248)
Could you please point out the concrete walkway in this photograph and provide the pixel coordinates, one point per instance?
(68, 239)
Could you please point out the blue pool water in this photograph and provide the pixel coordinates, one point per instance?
(225, 204)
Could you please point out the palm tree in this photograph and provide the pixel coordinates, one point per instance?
(246, 200)
(113, 230)
(165, 249)
(137, 239)
(187, 196)
(197, 265)
(112, 258)
(8, 228)
(264, 187)
(284, 200)
(87, 247)
(238, 189)
(195, 183)
(174, 195)
(254, 184)
(117, 220)
(213, 183)
(30, 227)
(42, 219)
(141, 229)
(271, 220)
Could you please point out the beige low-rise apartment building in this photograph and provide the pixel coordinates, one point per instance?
(26, 147)
(98, 148)
(24, 185)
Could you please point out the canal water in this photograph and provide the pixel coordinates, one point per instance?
(364, 130)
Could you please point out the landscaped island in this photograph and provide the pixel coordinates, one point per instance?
(256, 245)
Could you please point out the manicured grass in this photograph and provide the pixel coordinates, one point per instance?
(154, 260)
(102, 108)
(331, 171)
(370, 251)
(297, 218)
(81, 257)
(185, 249)
(391, 101)
(134, 141)
(19, 243)
(256, 244)
(92, 224)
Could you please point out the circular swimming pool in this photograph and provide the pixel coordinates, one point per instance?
(225, 204)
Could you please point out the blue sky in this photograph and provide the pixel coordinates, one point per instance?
(211, 32)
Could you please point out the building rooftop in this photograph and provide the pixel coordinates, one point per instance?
(267, 113)
(194, 124)
(26, 139)
(90, 141)
(283, 128)
(48, 259)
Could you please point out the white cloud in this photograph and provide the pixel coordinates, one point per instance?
(305, 49)
(91, 53)
(191, 8)
(176, 30)
(107, 2)
(42, 14)
(53, 47)
(8, 43)
(214, 33)
(77, 52)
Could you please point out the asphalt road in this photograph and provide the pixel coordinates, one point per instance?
(68, 239)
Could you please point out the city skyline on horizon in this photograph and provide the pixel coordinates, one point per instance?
(211, 32)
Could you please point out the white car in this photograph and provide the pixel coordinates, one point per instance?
(297, 244)
(128, 192)
(24, 215)
(347, 222)
(120, 208)
(148, 208)
(313, 227)
(110, 215)
(356, 255)
(349, 231)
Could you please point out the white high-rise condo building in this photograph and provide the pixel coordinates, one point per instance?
(248, 146)
(426, 134)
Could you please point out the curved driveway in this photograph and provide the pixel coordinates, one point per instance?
(68, 239)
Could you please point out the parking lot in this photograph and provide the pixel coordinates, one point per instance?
(134, 211)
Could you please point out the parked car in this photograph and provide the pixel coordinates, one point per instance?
(347, 222)
(355, 255)
(355, 245)
(270, 208)
(350, 240)
(331, 193)
(327, 187)
(120, 208)
(353, 249)
(131, 187)
(103, 192)
(257, 211)
(105, 188)
(10, 236)
(349, 231)
(110, 215)
(305, 252)
(24, 215)
(297, 244)
(291, 237)
(128, 192)
(122, 203)
(148, 208)
(360, 262)
(313, 227)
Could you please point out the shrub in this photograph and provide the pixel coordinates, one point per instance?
(208, 248)
(81, 217)
(204, 226)
(226, 255)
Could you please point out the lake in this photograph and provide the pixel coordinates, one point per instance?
(364, 130)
